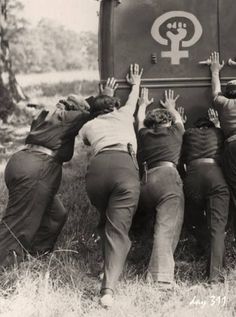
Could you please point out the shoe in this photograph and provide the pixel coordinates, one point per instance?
(107, 300)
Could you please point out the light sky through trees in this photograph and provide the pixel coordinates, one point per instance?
(77, 15)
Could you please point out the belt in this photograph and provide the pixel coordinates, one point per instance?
(114, 147)
(161, 164)
(128, 148)
(147, 168)
(39, 148)
(201, 161)
(231, 138)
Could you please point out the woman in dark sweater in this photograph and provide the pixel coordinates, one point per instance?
(160, 137)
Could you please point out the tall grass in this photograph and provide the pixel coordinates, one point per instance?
(66, 282)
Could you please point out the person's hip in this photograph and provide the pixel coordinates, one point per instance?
(26, 166)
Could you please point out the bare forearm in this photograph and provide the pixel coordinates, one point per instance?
(177, 116)
(132, 99)
(215, 82)
(141, 116)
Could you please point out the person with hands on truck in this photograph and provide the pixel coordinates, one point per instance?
(160, 137)
(112, 179)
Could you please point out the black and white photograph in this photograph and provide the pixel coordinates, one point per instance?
(117, 162)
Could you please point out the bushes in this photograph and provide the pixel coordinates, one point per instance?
(83, 87)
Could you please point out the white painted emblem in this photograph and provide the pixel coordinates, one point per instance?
(179, 29)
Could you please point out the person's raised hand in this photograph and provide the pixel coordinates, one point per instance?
(144, 98)
(181, 111)
(109, 88)
(134, 75)
(170, 101)
(215, 64)
(213, 117)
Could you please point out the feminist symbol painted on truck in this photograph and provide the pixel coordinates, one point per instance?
(179, 29)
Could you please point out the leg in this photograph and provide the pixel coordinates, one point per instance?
(195, 189)
(32, 181)
(51, 225)
(196, 223)
(168, 226)
(217, 214)
(121, 208)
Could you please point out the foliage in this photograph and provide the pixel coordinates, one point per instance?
(82, 87)
(51, 47)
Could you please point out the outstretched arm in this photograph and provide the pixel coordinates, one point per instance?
(215, 67)
(134, 79)
(169, 103)
(143, 102)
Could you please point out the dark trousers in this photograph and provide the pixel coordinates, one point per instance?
(113, 187)
(229, 164)
(34, 215)
(163, 192)
(206, 190)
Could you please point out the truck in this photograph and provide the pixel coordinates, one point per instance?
(171, 40)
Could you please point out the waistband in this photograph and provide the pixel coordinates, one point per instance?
(200, 161)
(128, 149)
(115, 147)
(160, 164)
(231, 139)
(39, 148)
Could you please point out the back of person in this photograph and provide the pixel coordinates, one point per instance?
(202, 143)
(227, 114)
(57, 131)
(110, 129)
(160, 137)
(162, 144)
(206, 191)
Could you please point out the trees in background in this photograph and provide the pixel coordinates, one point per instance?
(44, 48)
(51, 47)
(10, 91)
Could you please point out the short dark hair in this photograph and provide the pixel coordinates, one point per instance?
(204, 122)
(156, 117)
(230, 91)
(103, 104)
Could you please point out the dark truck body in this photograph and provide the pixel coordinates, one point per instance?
(168, 38)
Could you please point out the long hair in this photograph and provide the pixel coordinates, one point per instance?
(156, 117)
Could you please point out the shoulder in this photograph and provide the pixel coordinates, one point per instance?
(177, 128)
(143, 131)
(222, 101)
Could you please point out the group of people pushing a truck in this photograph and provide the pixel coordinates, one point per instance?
(35, 216)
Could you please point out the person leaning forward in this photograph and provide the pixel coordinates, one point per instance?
(225, 104)
(160, 138)
(206, 190)
(112, 179)
(34, 215)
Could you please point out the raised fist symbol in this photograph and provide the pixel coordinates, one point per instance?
(181, 31)
(176, 33)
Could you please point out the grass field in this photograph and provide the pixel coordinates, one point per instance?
(66, 283)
